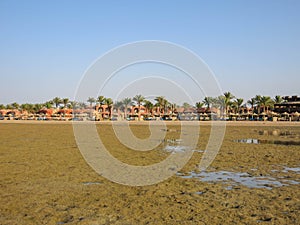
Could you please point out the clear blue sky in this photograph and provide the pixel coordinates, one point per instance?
(253, 47)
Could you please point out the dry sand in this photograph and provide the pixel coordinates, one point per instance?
(45, 180)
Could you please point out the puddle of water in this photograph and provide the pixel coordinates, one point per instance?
(295, 169)
(291, 181)
(201, 151)
(178, 148)
(237, 178)
(248, 141)
(171, 148)
(259, 141)
(174, 145)
(91, 183)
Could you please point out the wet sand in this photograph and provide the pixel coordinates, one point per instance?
(45, 180)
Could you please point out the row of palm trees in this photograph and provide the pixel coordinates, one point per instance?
(54, 103)
(229, 103)
(226, 103)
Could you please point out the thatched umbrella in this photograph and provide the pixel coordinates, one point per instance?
(263, 114)
(285, 115)
(245, 115)
(274, 113)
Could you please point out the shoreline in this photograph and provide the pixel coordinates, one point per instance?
(227, 123)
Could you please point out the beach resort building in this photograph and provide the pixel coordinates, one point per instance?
(291, 104)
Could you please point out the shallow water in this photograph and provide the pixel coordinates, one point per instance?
(293, 169)
(91, 183)
(172, 148)
(248, 141)
(259, 141)
(174, 145)
(238, 178)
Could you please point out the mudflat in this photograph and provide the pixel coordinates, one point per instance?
(255, 178)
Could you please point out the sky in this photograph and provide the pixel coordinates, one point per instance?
(252, 47)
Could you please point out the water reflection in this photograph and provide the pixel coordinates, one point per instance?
(172, 148)
(175, 145)
(91, 183)
(294, 169)
(260, 141)
(248, 141)
(238, 178)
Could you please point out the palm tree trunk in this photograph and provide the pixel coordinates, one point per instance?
(139, 113)
(125, 112)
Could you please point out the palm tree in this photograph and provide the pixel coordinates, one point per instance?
(186, 106)
(227, 101)
(161, 102)
(173, 106)
(118, 105)
(24, 107)
(219, 102)
(9, 106)
(266, 102)
(252, 102)
(28, 107)
(100, 100)
(72, 104)
(57, 101)
(48, 104)
(199, 105)
(65, 101)
(148, 105)
(278, 99)
(2, 106)
(91, 100)
(109, 102)
(15, 105)
(37, 107)
(238, 103)
(139, 99)
(258, 102)
(208, 101)
(126, 102)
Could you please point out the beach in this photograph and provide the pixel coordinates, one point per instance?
(45, 179)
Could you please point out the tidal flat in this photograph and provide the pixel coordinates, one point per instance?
(45, 179)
